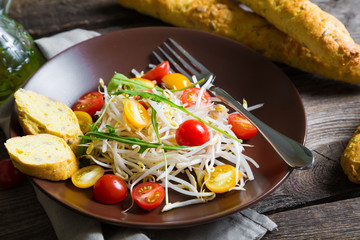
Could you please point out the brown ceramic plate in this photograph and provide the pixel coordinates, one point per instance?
(239, 70)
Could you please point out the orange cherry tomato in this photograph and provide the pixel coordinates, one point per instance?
(175, 81)
(222, 179)
(135, 114)
(84, 120)
(242, 128)
(148, 195)
(87, 176)
(145, 82)
(190, 96)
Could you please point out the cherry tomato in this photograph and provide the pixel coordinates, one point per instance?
(84, 120)
(222, 179)
(144, 104)
(147, 90)
(190, 96)
(110, 189)
(89, 102)
(9, 175)
(87, 176)
(242, 128)
(192, 132)
(135, 113)
(145, 82)
(175, 81)
(148, 195)
(158, 72)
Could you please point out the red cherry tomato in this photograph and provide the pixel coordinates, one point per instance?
(158, 72)
(148, 195)
(242, 128)
(9, 175)
(192, 133)
(89, 102)
(110, 189)
(190, 96)
(144, 104)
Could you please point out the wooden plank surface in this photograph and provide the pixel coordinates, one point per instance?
(319, 203)
(336, 220)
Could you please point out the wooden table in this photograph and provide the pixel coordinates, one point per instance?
(319, 203)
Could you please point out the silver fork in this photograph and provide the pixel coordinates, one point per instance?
(293, 153)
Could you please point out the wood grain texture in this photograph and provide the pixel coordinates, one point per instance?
(319, 203)
(47, 17)
(322, 221)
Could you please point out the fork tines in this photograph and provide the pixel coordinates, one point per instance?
(175, 55)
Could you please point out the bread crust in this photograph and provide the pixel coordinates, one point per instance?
(350, 159)
(226, 18)
(40, 114)
(42, 156)
(318, 30)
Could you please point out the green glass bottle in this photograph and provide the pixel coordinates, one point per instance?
(19, 58)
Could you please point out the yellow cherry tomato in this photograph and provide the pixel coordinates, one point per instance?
(135, 113)
(175, 81)
(87, 176)
(222, 179)
(145, 82)
(84, 120)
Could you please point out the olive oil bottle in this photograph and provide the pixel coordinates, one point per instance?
(18, 57)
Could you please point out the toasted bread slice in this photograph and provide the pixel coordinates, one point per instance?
(43, 156)
(40, 114)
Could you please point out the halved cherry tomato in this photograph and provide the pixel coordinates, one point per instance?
(135, 113)
(87, 176)
(175, 81)
(84, 120)
(144, 104)
(148, 195)
(158, 72)
(192, 132)
(242, 128)
(145, 82)
(190, 96)
(110, 189)
(222, 179)
(89, 102)
(9, 175)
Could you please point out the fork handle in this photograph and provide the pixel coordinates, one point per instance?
(293, 153)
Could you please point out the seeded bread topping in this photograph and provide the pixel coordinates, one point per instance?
(227, 18)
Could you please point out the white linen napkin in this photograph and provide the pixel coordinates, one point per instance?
(247, 224)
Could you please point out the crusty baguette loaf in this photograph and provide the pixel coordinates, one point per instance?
(40, 114)
(226, 18)
(43, 156)
(318, 30)
(350, 159)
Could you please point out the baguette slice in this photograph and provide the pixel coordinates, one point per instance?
(226, 18)
(43, 156)
(40, 114)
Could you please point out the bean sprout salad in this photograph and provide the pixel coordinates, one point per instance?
(137, 137)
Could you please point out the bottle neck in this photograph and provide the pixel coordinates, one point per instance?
(4, 6)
